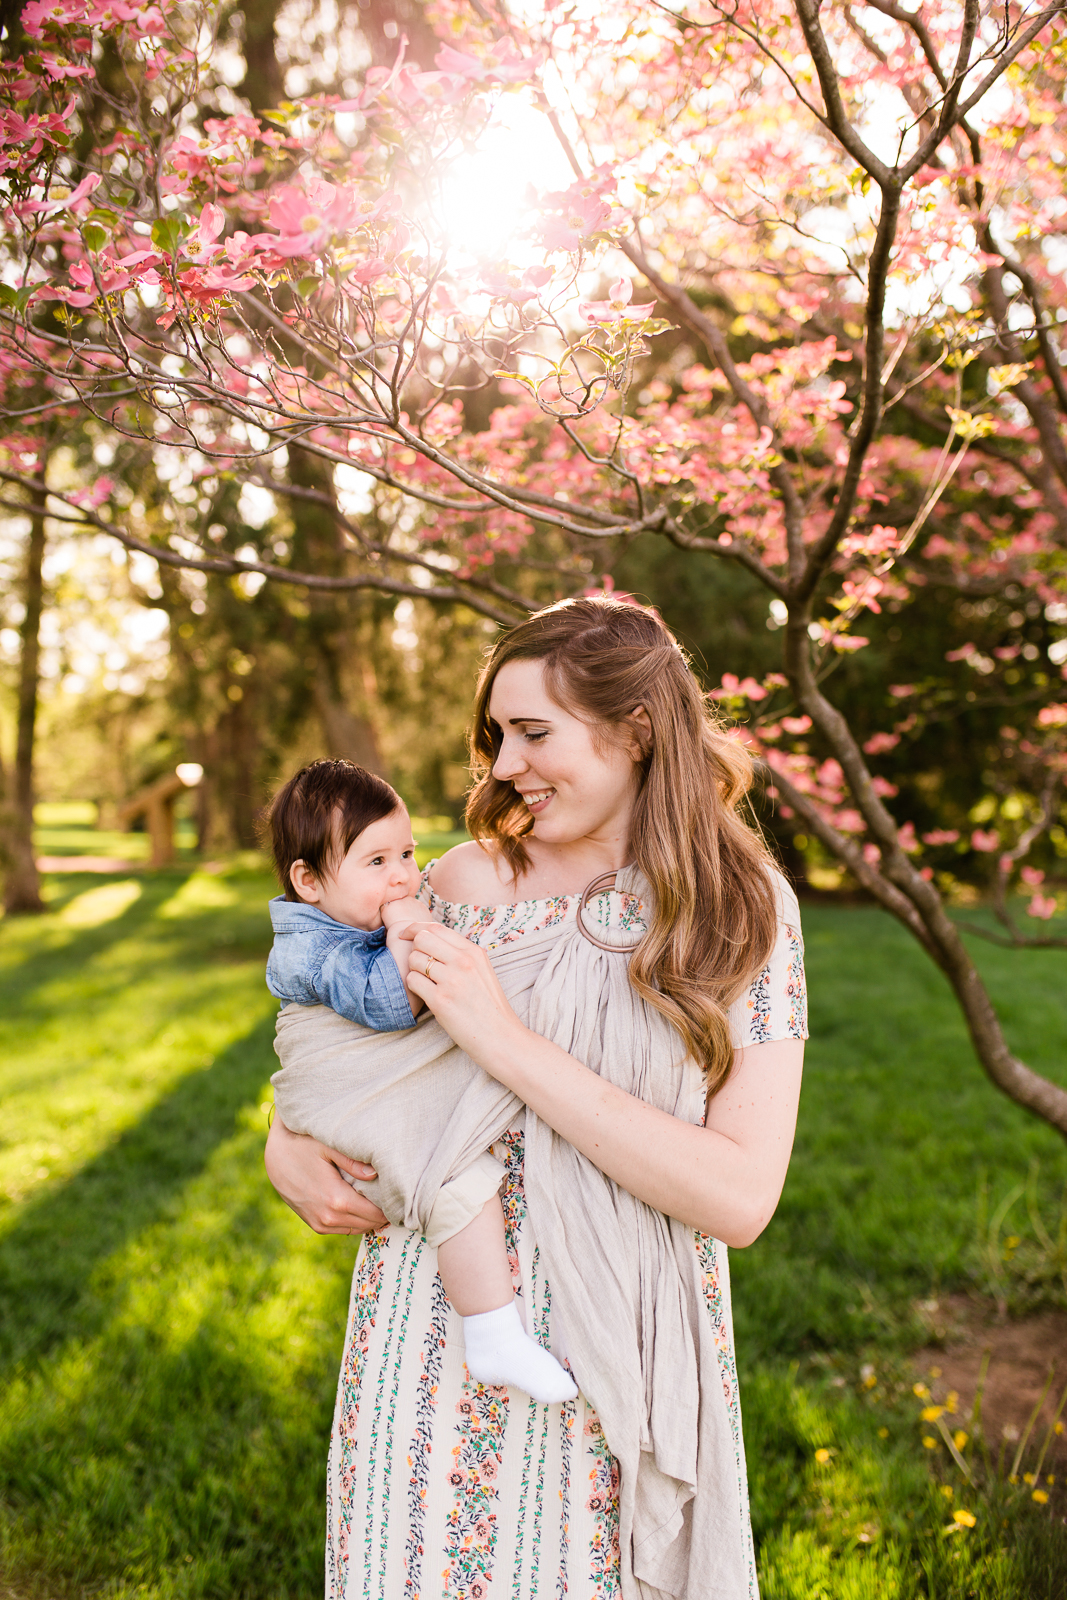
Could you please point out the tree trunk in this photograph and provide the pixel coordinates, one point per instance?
(22, 888)
(317, 540)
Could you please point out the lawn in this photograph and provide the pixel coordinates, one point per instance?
(169, 1332)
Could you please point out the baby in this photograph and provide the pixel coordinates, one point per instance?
(345, 857)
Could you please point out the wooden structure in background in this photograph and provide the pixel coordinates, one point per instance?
(156, 804)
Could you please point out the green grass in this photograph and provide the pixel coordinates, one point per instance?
(169, 1332)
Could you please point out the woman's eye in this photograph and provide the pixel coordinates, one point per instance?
(535, 735)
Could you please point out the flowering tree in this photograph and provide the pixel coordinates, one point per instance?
(797, 308)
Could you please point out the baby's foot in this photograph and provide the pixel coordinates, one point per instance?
(500, 1351)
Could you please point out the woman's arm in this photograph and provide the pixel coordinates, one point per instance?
(305, 1174)
(724, 1179)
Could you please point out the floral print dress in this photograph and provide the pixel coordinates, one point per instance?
(439, 1488)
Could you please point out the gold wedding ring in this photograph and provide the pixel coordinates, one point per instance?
(429, 963)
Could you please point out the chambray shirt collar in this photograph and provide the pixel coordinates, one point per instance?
(296, 916)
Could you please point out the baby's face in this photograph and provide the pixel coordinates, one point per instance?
(379, 867)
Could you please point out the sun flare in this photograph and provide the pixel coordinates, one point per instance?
(483, 194)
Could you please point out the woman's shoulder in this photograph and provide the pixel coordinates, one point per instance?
(785, 898)
(468, 874)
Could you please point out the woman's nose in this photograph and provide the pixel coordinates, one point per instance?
(509, 762)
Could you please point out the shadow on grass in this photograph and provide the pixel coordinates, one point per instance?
(49, 1253)
(186, 941)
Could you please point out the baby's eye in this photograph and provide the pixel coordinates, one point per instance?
(378, 861)
(408, 854)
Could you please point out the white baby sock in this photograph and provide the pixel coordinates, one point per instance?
(499, 1350)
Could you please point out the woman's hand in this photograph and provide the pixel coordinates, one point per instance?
(462, 990)
(305, 1174)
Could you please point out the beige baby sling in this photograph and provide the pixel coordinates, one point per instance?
(624, 1277)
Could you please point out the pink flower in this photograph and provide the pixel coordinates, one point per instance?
(850, 821)
(616, 306)
(307, 219)
(53, 13)
(864, 593)
(964, 652)
(1043, 906)
(871, 854)
(1032, 877)
(879, 743)
(907, 840)
(796, 724)
(901, 691)
(987, 842)
(582, 215)
(742, 688)
(1054, 716)
(941, 836)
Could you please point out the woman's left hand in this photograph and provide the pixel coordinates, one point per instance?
(456, 980)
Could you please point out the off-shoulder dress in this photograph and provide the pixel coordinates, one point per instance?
(439, 1488)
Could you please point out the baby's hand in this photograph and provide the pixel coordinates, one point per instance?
(400, 918)
(398, 913)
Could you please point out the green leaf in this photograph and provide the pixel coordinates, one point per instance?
(95, 236)
(167, 233)
(307, 286)
(107, 219)
(15, 298)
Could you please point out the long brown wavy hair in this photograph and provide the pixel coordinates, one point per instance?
(714, 915)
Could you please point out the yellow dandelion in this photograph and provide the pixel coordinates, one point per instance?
(959, 1439)
(1040, 1496)
(883, 1433)
(931, 1413)
(1013, 1477)
(952, 1401)
(869, 1376)
(947, 1490)
(1059, 1428)
(822, 1457)
(1013, 1241)
(1028, 1478)
(921, 1390)
(1050, 1478)
(965, 1519)
(929, 1442)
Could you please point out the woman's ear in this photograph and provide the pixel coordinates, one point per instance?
(643, 739)
(304, 881)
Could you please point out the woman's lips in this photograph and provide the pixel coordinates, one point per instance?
(537, 799)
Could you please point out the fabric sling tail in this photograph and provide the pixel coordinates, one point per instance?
(626, 1287)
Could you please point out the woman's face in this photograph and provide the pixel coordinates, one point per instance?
(575, 787)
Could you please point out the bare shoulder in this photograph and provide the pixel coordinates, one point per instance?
(468, 875)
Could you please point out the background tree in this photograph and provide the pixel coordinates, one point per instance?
(856, 401)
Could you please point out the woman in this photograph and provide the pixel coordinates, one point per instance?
(600, 765)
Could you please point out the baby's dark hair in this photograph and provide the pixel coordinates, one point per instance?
(317, 816)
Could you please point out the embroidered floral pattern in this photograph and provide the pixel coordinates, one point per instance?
(422, 1441)
(511, 1150)
(759, 1006)
(366, 1290)
(716, 1303)
(603, 1502)
(796, 988)
(471, 1530)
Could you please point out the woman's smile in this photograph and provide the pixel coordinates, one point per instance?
(536, 799)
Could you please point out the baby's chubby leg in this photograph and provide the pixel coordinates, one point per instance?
(476, 1274)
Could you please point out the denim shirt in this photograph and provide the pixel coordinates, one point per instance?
(317, 961)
